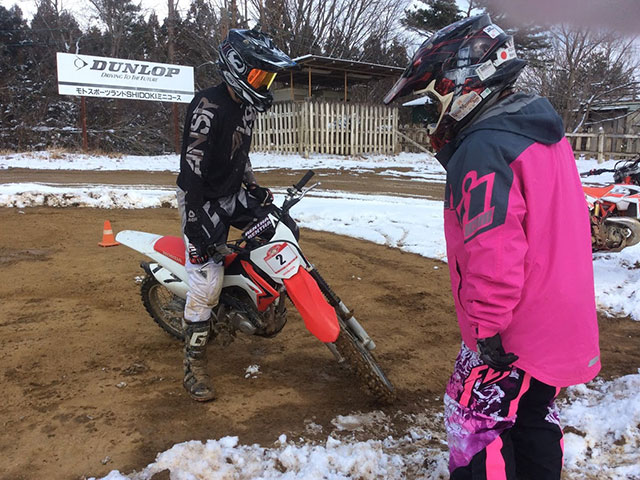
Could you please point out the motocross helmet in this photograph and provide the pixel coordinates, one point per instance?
(249, 61)
(460, 68)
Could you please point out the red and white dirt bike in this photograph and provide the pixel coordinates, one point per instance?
(261, 269)
(615, 209)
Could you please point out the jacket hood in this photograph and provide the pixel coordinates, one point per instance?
(523, 114)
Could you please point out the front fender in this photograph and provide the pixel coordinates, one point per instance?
(319, 317)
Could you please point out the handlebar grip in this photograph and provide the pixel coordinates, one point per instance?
(304, 180)
(596, 171)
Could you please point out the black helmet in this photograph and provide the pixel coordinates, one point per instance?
(249, 61)
(460, 68)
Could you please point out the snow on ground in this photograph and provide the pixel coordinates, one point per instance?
(601, 442)
(603, 439)
(411, 224)
(422, 167)
(23, 195)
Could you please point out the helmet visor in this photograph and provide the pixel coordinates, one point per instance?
(398, 90)
(260, 79)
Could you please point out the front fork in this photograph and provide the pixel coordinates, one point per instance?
(343, 312)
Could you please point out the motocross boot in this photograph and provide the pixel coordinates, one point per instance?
(196, 377)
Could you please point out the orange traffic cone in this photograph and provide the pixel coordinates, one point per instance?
(108, 240)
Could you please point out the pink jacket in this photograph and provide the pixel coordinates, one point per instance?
(519, 243)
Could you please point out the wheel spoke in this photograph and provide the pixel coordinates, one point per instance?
(163, 306)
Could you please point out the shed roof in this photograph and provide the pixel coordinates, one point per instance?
(330, 72)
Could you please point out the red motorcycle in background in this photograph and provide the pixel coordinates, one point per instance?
(615, 209)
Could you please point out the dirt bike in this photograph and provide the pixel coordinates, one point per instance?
(614, 209)
(262, 268)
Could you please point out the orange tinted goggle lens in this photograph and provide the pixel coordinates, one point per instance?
(260, 78)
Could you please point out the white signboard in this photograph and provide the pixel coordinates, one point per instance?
(91, 76)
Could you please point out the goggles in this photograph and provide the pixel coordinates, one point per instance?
(438, 107)
(260, 78)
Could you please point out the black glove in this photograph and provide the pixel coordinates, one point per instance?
(262, 194)
(218, 252)
(492, 353)
(196, 254)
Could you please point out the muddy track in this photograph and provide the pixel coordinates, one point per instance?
(92, 384)
(364, 182)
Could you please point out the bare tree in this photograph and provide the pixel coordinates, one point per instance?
(55, 26)
(331, 27)
(117, 16)
(584, 70)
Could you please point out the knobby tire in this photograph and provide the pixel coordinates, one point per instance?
(360, 359)
(157, 300)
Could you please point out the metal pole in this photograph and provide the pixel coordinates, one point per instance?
(174, 106)
(83, 113)
(600, 145)
(176, 128)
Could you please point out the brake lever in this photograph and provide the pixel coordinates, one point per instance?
(304, 192)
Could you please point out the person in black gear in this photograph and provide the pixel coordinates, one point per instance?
(216, 185)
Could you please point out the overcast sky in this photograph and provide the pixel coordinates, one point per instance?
(79, 7)
(622, 15)
(83, 11)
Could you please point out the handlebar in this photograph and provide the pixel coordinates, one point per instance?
(597, 171)
(304, 180)
(629, 165)
(294, 195)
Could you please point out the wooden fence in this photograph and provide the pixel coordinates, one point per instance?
(604, 145)
(326, 127)
(413, 138)
(352, 129)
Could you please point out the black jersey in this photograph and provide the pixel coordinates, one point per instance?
(215, 147)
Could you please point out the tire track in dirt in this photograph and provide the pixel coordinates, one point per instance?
(87, 375)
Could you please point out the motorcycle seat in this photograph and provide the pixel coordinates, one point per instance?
(172, 247)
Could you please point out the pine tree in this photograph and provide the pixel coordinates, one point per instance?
(530, 40)
(14, 40)
(119, 17)
(437, 14)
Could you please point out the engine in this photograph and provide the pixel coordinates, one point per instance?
(613, 234)
(234, 314)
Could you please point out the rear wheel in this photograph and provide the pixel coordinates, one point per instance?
(365, 365)
(165, 307)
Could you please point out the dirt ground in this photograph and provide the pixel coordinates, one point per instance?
(91, 384)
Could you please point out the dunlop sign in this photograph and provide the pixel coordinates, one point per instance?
(90, 76)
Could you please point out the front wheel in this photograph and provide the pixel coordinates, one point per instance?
(365, 365)
(165, 307)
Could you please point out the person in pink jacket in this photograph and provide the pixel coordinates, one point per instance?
(519, 254)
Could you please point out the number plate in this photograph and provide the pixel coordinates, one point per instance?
(281, 256)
